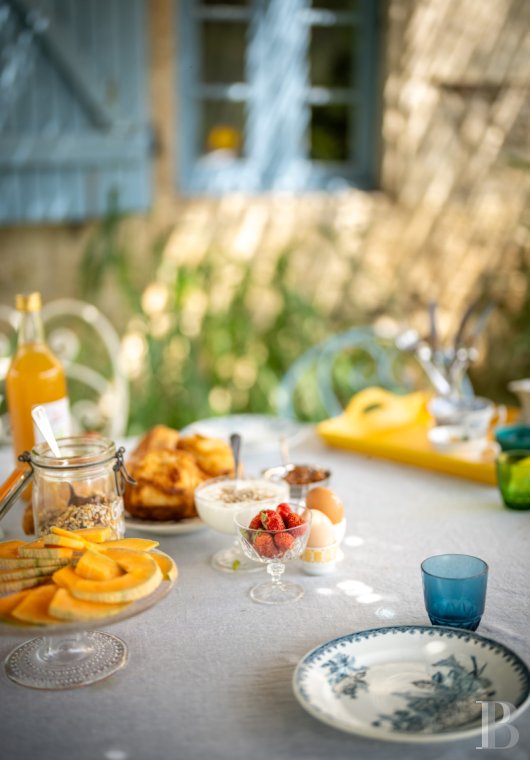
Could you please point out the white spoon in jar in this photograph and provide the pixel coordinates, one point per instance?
(43, 423)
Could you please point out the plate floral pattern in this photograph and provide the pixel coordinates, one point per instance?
(410, 683)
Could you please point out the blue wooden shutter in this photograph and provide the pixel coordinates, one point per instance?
(74, 128)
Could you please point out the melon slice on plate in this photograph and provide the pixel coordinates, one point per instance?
(142, 576)
(10, 563)
(52, 539)
(166, 564)
(8, 603)
(97, 535)
(97, 567)
(87, 536)
(40, 550)
(9, 549)
(22, 583)
(34, 607)
(68, 607)
(18, 573)
(65, 577)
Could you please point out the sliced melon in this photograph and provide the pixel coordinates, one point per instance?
(97, 567)
(97, 535)
(71, 543)
(38, 549)
(49, 553)
(66, 577)
(10, 548)
(68, 607)
(26, 572)
(135, 544)
(8, 603)
(83, 535)
(22, 583)
(8, 563)
(166, 564)
(34, 607)
(142, 576)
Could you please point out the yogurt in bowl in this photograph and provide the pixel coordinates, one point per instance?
(219, 499)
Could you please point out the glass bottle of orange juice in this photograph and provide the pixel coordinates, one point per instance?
(35, 377)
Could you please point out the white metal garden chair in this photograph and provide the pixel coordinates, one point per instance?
(322, 380)
(89, 348)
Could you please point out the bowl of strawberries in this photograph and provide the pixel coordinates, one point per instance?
(274, 536)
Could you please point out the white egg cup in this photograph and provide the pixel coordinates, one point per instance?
(320, 560)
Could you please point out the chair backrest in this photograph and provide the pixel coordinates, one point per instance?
(321, 381)
(89, 348)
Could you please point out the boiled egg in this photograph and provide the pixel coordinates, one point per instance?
(327, 502)
(321, 533)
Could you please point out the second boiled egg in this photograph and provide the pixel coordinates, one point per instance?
(321, 533)
(326, 501)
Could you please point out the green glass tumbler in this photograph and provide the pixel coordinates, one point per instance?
(513, 478)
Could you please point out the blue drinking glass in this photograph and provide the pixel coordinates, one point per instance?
(454, 588)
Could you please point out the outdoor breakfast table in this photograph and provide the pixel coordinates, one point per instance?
(209, 671)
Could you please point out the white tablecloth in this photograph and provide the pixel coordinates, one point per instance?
(209, 671)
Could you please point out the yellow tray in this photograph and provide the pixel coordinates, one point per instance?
(404, 440)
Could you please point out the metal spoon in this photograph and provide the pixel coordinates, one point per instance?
(235, 445)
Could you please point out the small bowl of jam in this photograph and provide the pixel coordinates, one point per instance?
(300, 477)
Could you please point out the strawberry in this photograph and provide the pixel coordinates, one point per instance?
(271, 520)
(255, 523)
(293, 521)
(283, 510)
(283, 541)
(264, 545)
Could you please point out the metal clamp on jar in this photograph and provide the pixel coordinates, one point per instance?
(83, 488)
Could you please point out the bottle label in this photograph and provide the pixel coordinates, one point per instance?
(58, 413)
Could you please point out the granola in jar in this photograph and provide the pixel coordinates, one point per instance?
(81, 489)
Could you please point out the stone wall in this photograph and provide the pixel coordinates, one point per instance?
(451, 214)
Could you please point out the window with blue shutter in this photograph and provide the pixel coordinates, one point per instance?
(277, 94)
(74, 125)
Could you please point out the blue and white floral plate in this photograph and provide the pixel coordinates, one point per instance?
(410, 683)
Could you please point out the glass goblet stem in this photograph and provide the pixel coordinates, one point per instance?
(58, 649)
(276, 570)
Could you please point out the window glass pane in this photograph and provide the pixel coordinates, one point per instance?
(329, 133)
(331, 55)
(223, 52)
(335, 5)
(223, 129)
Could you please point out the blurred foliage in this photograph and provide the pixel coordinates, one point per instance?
(221, 340)
(213, 337)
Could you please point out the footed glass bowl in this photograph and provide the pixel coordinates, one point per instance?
(274, 548)
(68, 655)
(217, 502)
